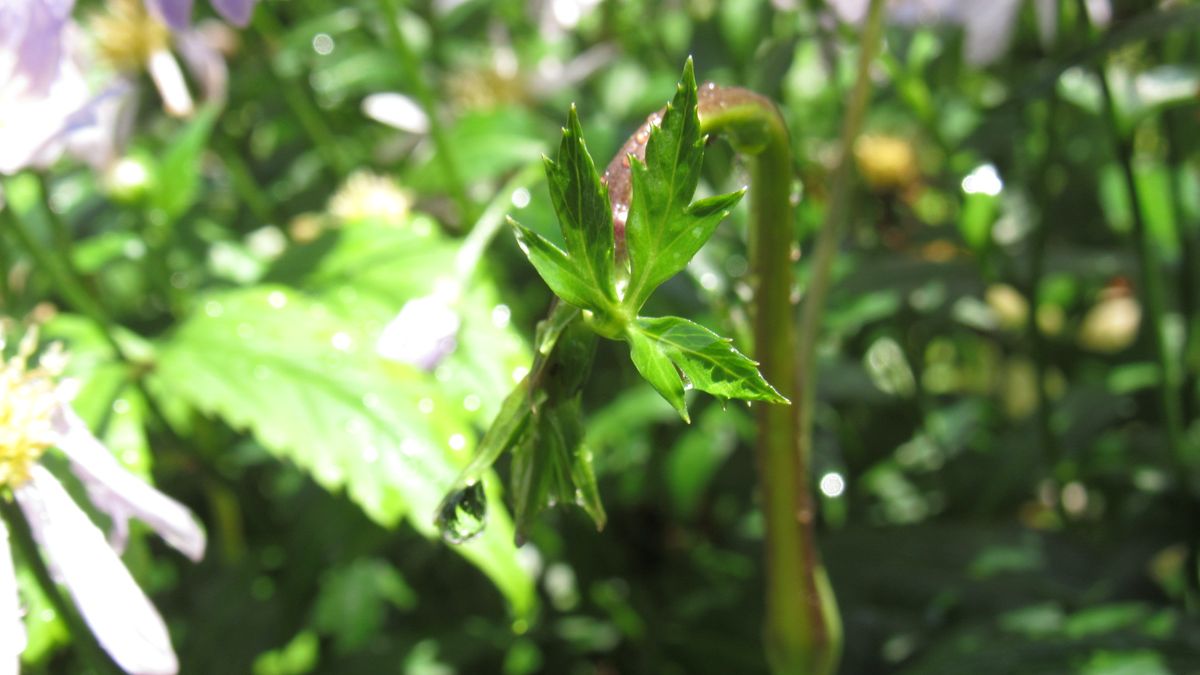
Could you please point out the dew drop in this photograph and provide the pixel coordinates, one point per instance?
(458, 442)
(620, 213)
(501, 316)
(277, 299)
(462, 515)
(342, 341)
(471, 402)
(520, 198)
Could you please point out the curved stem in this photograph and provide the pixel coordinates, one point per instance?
(803, 630)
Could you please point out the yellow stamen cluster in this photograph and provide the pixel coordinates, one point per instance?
(369, 196)
(127, 35)
(27, 403)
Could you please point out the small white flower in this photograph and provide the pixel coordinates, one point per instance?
(34, 417)
(424, 332)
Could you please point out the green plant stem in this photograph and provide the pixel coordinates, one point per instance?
(243, 181)
(297, 97)
(6, 298)
(1189, 254)
(1153, 292)
(1037, 264)
(803, 629)
(466, 262)
(59, 228)
(805, 369)
(61, 275)
(442, 146)
(81, 635)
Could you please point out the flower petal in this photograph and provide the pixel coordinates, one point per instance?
(12, 631)
(422, 334)
(121, 494)
(175, 13)
(205, 62)
(172, 87)
(110, 601)
(236, 12)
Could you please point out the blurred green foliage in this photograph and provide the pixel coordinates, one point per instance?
(997, 489)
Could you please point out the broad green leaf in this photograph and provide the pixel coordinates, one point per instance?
(581, 202)
(654, 365)
(665, 229)
(178, 175)
(560, 272)
(367, 271)
(311, 389)
(708, 360)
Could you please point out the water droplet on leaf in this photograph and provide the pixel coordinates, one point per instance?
(463, 514)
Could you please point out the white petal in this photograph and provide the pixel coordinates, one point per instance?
(110, 601)
(205, 63)
(989, 26)
(121, 494)
(168, 78)
(422, 334)
(12, 631)
(396, 110)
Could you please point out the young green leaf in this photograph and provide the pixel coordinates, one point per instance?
(665, 229)
(560, 272)
(581, 202)
(708, 360)
(657, 368)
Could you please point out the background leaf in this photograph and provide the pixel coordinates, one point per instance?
(311, 389)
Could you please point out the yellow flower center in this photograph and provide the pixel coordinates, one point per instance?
(126, 34)
(365, 195)
(27, 403)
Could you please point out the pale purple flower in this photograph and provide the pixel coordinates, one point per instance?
(987, 24)
(423, 333)
(37, 416)
(42, 89)
(178, 13)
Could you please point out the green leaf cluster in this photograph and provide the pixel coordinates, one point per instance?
(665, 229)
